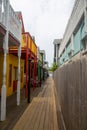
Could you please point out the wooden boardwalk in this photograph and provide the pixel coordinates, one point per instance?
(41, 113)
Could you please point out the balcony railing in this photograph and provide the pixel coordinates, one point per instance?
(9, 19)
(27, 42)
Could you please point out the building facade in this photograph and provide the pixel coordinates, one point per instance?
(18, 56)
(74, 42)
(11, 73)
(28, 52)
(56, 43)
(10, 35)
(42, 66)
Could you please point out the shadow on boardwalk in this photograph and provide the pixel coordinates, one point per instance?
(13, 111)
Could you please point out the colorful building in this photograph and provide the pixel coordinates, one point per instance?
(56, 43)
(18, 56)
(42, 66)
(10, 35)
(28, 52)
(74, 42)
(11, 73)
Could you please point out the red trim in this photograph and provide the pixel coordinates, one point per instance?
(23, 51)
(1, 49)
(13, 51)
(20, 17)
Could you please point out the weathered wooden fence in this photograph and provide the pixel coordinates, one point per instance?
(71, 87)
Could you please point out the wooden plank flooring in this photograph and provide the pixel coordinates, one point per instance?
(41, 113)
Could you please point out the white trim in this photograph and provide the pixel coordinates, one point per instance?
(5, 48)
(3, 90)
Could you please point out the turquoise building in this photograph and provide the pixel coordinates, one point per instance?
(74, 42)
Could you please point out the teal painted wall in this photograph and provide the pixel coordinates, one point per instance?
(77, 41)
(82, 33)
(65, 54)
(83, 30)
(62, 58)
(78, 38)
(79, 35)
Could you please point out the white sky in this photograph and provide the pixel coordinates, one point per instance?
(46, 20)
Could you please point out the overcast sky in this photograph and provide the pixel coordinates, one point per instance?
(46, 20)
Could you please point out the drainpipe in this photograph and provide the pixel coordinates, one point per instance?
(5, 48)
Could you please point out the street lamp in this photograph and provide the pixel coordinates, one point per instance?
(29, 82)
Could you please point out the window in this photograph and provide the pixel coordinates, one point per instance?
(15, 73)
(10, 74)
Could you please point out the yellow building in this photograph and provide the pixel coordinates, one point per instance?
(11, 73)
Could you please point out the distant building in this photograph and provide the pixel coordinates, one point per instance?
(46, 69)
(56, 43)
(46, 65)
(42, 52)
(41, 65)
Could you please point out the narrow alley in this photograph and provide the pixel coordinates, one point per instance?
(41, 113)
(43, 69)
